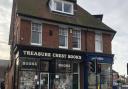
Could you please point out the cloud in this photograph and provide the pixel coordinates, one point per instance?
(115, 16)
(5, 17)
(6, 3)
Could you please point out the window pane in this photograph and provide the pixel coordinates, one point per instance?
(75, 81)
(63, 66)
(76, 39)
(75, 67)
(75, 42)
(62, 41)
(35, 37)
(67, 8)
(36, 33)
(44, 66)
(58, 6)
(98, 42)
(63, 33)
(61, 81)
(27, 80)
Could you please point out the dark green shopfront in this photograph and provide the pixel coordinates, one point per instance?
(46, 68)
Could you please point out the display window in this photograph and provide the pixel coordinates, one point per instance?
(57, 74)
(103, 80)
(27, 80)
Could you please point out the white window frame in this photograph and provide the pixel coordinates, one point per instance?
(99, 40)
(80, 40)
(40, 38)
(66, 42)
(53, 8)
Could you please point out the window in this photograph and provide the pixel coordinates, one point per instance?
(61, 6)
(66, 75)
(27, 80)
(36, 37)
(76, 39)
(63, 38)
(98, 42)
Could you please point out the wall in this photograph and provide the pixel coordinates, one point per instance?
(50, 37)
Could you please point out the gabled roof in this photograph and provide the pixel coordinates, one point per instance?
(40, 9)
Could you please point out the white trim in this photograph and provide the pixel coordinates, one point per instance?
(40, 79)
(52, 6)
(80, 41)
(38, 44)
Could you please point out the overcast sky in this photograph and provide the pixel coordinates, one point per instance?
(115, 15)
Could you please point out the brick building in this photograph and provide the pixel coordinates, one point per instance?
(3, 69)
(56, 44)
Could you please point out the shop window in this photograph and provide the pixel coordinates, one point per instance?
(98, 42)
(44, 66)
(36, 34)
(104, 79)
(61, 6)
(27, 80)
(63, 38)
(63, 66)
(66, 75)
(76, 39)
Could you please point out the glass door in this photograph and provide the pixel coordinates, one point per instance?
(44, 81)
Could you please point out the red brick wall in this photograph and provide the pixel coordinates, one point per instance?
(69, 40)
(107, 38)
(48, 40)
(50, 37)
(83, 40)
(25, 32)
(9, 78)
(90, 43)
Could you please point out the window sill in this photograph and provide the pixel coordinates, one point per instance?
(76, 48)
(63, 47)
(99, 51)
(36, 44)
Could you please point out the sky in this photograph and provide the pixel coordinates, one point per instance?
(115, 16)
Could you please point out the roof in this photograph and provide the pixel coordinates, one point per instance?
(40, 9)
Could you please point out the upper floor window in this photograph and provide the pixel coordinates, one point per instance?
(63, 38)
(61, 6)
(36, 36)
(98, 42)
(76, 39)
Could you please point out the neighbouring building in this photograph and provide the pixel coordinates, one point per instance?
(3, 69)
(115, 78)
(56, 44)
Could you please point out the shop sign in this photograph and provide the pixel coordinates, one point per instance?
(98, 58)
(51, 55)
(101, 58)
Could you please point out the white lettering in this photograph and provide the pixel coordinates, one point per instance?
(54, 55)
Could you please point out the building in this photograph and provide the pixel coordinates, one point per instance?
(56, 44)
(3, 69)
(115, 78)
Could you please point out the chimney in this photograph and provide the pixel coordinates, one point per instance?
(99, 17)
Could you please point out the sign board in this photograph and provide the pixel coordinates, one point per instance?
(41, 52)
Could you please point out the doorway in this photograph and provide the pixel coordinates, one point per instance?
(44, 81)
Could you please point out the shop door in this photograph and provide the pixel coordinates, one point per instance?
(44, 81)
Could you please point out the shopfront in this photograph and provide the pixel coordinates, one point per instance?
(44, 68)
(102, 79)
